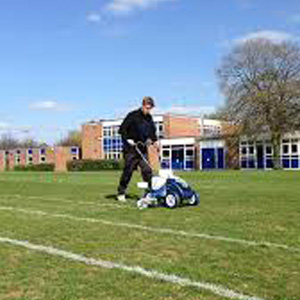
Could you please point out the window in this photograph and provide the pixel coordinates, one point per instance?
(251, 150)
(190, 152)
(18, 151)
(43, 151)
(74, 150)
(116, 130)
(269, 149)
(166, 153)
(244, 150)
(294, 148)
(105, 131)
(285, 149)
(30, 159)
(29, 151)
(43, 158)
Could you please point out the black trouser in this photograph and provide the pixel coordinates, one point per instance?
(132, 160)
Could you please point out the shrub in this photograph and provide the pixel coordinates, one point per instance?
(94, 165)
(37, 168)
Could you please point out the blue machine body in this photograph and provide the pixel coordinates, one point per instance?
(177, 187)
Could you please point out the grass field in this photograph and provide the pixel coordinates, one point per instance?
(244, 237)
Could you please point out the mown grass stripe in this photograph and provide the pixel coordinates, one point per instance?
(153, 274)
(155, 229)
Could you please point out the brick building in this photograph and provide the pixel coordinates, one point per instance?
(34, 156)
(182, 140)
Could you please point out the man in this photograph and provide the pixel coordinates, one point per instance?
(138, 129)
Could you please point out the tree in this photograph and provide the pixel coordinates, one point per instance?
(73, 138)
(28, 143)
(7, 142)
(261, 82)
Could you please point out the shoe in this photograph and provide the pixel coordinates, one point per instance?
(121, 198)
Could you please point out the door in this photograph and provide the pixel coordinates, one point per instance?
(260, 157)
(208, 159)
(178, 158)
(221, 158)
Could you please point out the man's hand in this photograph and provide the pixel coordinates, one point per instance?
(131, 142)
(156, 145)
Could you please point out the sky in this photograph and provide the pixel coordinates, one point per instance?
(67, 62)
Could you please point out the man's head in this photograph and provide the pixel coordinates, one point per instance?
(148, 104)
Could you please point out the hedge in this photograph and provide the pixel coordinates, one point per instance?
(38, 168)
(94, 165)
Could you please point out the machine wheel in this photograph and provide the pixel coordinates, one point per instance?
(172, 200)
(194, 200)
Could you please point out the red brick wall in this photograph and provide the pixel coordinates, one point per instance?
(91, 141)
(35, 156)
(23, 157)
(2, 160)
(50, 155)
(11, 159)
(154, 158)
(61, 158)
(180, 126)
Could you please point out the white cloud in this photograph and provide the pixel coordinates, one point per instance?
(94, 17)
(48, 106)
(126, 6)
(273, 36)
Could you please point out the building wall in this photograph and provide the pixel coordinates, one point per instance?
(61, 159)
(50, 155)
(11, 159)
(153, 154)
(92, 141)
(2, 160)
(180, 126)
(64, 154)
(22, 157)
(259, 154)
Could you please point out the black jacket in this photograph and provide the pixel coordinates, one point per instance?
(138, 127)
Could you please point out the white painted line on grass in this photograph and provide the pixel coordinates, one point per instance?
(155, 229)
(64, 200)
(153, 274)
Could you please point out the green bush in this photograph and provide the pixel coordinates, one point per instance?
(38, 168)
(94, 165)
